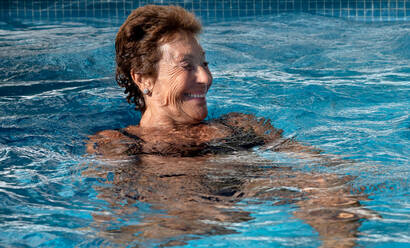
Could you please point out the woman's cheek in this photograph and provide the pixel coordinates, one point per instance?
(176, 89)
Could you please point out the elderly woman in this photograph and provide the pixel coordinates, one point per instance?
(163, 69)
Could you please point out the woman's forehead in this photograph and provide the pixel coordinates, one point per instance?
(184, 47)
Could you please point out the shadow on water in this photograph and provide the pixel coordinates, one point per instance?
(193, 197)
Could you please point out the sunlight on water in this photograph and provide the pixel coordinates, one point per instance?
(341, 86)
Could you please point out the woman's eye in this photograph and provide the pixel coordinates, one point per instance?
(187, 66)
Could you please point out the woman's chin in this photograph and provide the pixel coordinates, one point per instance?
(197, 115)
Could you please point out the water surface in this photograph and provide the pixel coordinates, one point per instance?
(341, 86)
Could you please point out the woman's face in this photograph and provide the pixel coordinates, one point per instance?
(183, 80)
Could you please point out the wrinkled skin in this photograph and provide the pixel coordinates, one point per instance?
(178, 94)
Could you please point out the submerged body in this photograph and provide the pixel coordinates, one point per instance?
(197, 174)
(231, 132)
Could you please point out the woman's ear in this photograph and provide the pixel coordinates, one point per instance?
(136, 77)
(144, 83)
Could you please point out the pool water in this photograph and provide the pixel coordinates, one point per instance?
(338, 85)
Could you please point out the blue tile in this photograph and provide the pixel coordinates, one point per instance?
(228, 13)
(301, 5)
(376, 12)
(338, 12)
(186, 6)
(377, 5)
(297, 5)
(392, 12)
(368, 13)
(387, 18)
(219, 5)
(196, 5)
(10, 13)
(43, 5)
(369, 3)
(249, 6)
(312, 5)
(384, 12)
(65, 13)
(104, 12)
(36, 14)
(266, 12)
(235, 5)
(282, 6)
(19, 5)
(203, 13)
(52, 13)
(289, 6)
(347, 4)
(323, 6)
(265, 5)
(227, 4)
(277, 5)
(43, 14)
(258, 10)
(328, 12)
(274, 6)
(242, 5)
(219, 13)
(75, 12)
(211, 13)
(20, 13)
(82, 13)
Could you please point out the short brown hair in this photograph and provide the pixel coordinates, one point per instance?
(138, 42)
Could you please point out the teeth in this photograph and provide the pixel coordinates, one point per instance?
(196, 95)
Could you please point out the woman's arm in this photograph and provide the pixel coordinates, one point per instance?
(274, 141)
(262, 127)
(109, 143)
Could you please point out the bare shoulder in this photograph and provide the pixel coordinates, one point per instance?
(260, 125)
(273, 137)
(108, 143)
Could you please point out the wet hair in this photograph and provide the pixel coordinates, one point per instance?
(138, 42)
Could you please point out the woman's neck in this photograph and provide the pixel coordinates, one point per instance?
(155, 120)
(161, 119)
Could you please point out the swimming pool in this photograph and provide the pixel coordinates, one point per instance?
(335, 83)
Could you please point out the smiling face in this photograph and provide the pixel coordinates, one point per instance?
(183, 79)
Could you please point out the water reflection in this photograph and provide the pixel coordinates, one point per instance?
(196, 196)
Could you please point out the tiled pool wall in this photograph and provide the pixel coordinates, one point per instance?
(207, 10)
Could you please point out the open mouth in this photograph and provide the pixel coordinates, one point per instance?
(195, 95)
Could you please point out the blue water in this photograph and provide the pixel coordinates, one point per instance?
(341, 86)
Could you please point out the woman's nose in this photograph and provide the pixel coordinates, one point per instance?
(203, 75)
